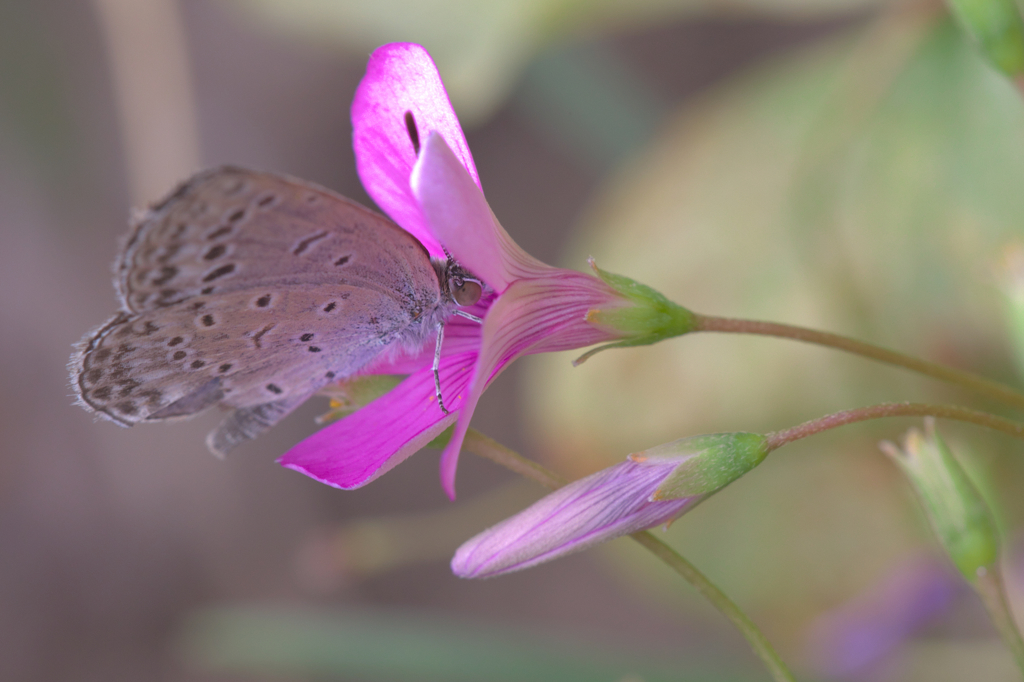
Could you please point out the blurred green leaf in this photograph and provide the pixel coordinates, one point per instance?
(482, 46)
(395, 646)
(997, 28)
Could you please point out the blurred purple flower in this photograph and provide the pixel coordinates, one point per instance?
(849, 640)
(432, 190)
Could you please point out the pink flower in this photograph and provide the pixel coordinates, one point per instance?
(414, 161)
(650, 488)
(613, 502)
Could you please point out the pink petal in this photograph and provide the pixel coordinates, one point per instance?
(546, 313)
(401, 78)
(364, 445)
(611, 503)
(462, 220)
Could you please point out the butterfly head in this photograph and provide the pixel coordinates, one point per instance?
(458, 285)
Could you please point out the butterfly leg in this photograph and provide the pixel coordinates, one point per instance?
(437, 367)
(469, 316)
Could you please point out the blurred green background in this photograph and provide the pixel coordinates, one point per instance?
(846, 165)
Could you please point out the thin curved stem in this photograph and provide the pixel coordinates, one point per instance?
(711, 592)
(777, 439)
(990, 587)
(488, 448)
(987, 387)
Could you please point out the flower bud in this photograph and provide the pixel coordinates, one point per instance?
(705, 463)
(954, 507)
(650, 318)
(649, 489)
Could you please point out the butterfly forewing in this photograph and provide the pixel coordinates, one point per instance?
(252, 291)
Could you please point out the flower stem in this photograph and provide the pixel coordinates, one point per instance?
(777, 439)
(983, 386)
(488, 448)
(757, 641)
(990, 587)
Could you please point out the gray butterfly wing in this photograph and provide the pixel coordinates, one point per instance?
(230, 229)
(304, 287)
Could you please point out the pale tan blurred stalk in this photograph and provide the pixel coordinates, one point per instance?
(149, 66)
(330, 558)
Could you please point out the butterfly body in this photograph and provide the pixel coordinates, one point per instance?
(252, 291)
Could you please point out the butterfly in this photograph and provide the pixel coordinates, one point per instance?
(252, 291)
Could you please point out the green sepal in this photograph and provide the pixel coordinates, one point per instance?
(441, 442)
(349, 395)
(707, 463)
(650, 319)
(996, 26)
(955, 509)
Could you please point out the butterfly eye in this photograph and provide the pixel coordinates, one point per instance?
(467, 292)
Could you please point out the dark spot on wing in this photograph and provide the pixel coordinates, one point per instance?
(342, 260)
(258, 336)
(222, 271)
(167, 273)
(197, 364)
(179, 355)
(267, 200)
(169, 252)
(314, 349)
(127, 386)
(274, 388)
(330, 306)
(175, 341)
(263, 301)
(225, 367)
(308, 336)
(219, 232)
(215, 251)
(307, 242)
(208, 320)
(329, 375)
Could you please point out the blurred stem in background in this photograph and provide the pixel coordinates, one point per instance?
(149, 68)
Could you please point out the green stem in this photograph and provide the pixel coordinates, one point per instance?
(990, 587)
(488, 448)
(777, 439)
(721, 602)
(986, 387)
